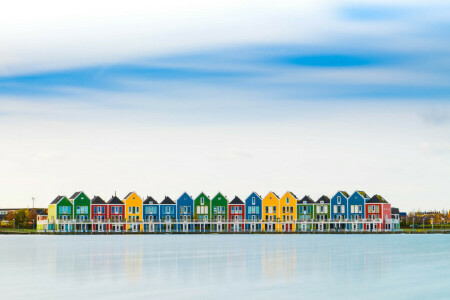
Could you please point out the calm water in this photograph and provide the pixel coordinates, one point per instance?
(225, 266)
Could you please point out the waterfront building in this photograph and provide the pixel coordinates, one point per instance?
(99, 212)
(236, 212)
(219, 206)
(288, 211)
(202, 206)
(338, 205)
(42, 221)
(167, 209)
(322, 212)
(133, 211)
(395, 215)
(60, 209)
(151, 210)
(377, 208)
(356, 208)
(271, 209)
(116, 213)
(81, 207)
(185, 207)
(305, 212)
(253, 211)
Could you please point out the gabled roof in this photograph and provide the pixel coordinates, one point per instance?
(220, 194)
(204, 194)
(42, 213)
(273, 194)
(307, 199)
(150, 200)
(115, 200)
(395, 211)
(363, 194)
(98, 200)
(57, 199)
(256, 194)
(293, 195)
(76, 194)
(236, 201)
(377, 199)
(128, 195)
(324, 198)
(344, 193)
(167, 200)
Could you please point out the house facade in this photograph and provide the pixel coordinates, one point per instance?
(357, 209)
(288, 211)
(377, 208)
(60, 208)
(236, 212)
(81, 206)
(116, 213)
(99, 210)
(167, 210)
(305, 212)
(339, 208)
(253, 207)
(133, 211)
(271, 209)
(202, 205)
(185, 207)
(219, 205)
(151, 210)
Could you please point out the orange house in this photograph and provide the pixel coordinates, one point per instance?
(133, 211)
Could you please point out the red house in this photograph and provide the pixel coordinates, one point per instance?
(115, 213)
(236, 212)
(99, 212)
(377, 208)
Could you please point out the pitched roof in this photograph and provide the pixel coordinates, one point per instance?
(42, 213)
(395, 211)
(57, 199)
(344, 193)
(377, 199)
(128, 195)
(363, 194)
(236, 200)
(167, 200)
(75, 195)
(256, 194)
(150, 200)
(324, 198)
(293, 195)
(307, 199)
(115, 200)
(98, 200)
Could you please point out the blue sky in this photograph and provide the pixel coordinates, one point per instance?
(359, 89)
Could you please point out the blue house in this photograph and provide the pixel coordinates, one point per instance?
(356, 204)
(185, 208)
(151, 210)
(339, 207)
(167, 210)
(253, 210)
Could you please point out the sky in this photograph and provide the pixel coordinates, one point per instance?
(162, 97)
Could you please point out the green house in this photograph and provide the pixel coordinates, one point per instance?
(305, 209)
(219, 208)
(60, 209)
(322, 209)
(81, 206)
(202, 205)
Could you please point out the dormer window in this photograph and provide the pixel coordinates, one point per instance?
(287, 200)
(253, 200)
(304, 202)
(338, 199)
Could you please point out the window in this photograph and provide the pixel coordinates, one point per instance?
(267, 209)
(103, 209)
(342, 209)
(232, 209)
(253, 200)
(134, 209)
(292, 209)
(274, 209)
(189, 210)
(257, 209)
(120, 209)
(284, 209)
(335, 207)
(78, 210)
(215, 210)
(129, 209)
(206, 209)
(198, 210)
(287, 200)
(270, 210)
(352, 209)
(338, 199)
(240, 209)
(202, 201)
(95, 209)
(137, 210)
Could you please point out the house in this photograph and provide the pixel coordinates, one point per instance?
(288, 212)
(395, 215)
(151, 210)
(305, 212)
(185, 207)
(377, 208)
(99, 210)
(116, 213)
(167, 210)
(60, 209)
(322, 212)
(81, 210)
(338, 205)
(271, 208)
(133, 211)
(41, 221)
(202, 206)
(219, 206)
(253, 211)
(236, 212)
(356, 209)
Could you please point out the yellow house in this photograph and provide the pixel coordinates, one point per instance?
(271, 211)
(133, 211)
(288, 211)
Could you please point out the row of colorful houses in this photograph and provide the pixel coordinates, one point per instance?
(273, 212)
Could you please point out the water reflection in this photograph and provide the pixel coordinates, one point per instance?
(219, 266)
